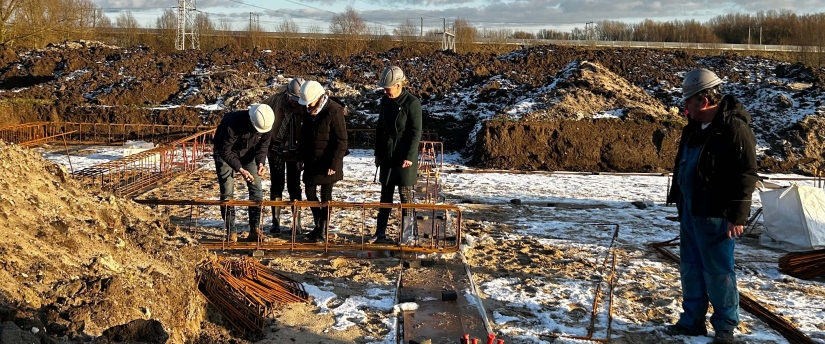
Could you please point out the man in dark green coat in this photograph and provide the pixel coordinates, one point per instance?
(398, 133)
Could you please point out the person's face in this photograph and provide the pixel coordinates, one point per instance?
(292, 103)
(393, 91)
(694, 105)
(311, 107)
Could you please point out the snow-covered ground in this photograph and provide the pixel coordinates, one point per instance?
(534, 307)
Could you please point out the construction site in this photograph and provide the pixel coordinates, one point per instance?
(540, 202)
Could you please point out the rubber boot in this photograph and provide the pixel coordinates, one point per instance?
(255, 232)
(276, 219)
(316, 231)
(410, 230)
(322, 231)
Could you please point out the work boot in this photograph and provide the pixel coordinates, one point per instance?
(723, 337)
(233, 238)
(255, 235)
(316, 234)
(679, 330)
(276, 219)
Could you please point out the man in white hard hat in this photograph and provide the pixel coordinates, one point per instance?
(283, 149)
(321, 150)
(240, 146)
(713, 181)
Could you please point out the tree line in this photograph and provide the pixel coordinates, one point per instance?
(35, 23)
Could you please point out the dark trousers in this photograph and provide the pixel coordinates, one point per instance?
(319, 213)
(227, 186)
(293, 180)
(406, 195)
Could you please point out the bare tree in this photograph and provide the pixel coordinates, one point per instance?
(128, 26)
(348, 23)
(7, 9)
(288, 26)
(166, 25)
(406, 29)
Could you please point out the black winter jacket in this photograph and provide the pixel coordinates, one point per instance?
(238, 143)
(397, 136)
(726, 171)
(323, 144)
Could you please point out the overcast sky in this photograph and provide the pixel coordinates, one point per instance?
(528, 15)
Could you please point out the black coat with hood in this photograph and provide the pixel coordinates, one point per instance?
(238, 143)
(726, 171)
(323, 145)
(397, 135)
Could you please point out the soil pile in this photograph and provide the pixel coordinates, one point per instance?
(586, 90)
(77, 262)
(587, 119)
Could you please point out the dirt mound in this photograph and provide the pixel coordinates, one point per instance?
(78, 261)
(587, 90)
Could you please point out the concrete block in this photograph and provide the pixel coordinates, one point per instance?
(449, 295)
(412, 264)
(406, 297)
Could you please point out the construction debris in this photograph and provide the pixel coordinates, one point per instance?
(804, 265)
(245, 291)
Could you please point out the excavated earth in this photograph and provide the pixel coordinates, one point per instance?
(616, 108)
(80, 264)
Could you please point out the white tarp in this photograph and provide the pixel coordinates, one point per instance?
(794, 218)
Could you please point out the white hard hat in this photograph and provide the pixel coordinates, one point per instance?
(310, 92)
(698, 80)
(391, 76)
(262, 117)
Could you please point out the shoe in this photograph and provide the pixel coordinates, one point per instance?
(233, 238)
(723, 337)
(255, 236)
(382, 240)
(679, 330)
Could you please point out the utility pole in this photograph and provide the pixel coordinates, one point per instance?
(749, 36)
(422, 26)
(187, 28)
(760, 34)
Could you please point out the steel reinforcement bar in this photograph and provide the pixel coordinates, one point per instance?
(439, 233)
(133, 173)
(784, 327)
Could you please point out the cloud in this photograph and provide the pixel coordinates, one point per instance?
(496, 13)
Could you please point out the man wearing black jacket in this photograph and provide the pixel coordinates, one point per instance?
(321, 151)
(240, 144)
(713, 181)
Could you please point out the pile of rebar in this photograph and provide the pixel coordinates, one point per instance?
(804, 265)
(245, 291)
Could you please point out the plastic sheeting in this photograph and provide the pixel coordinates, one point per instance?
(794, 218)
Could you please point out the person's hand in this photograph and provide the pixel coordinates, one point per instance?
(735, 231)
(330, 172)
(247, 176)
(406, 164)
(261, 169)
(300, 166)
(377, 162)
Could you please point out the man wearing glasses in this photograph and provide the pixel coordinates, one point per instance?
(714, 179)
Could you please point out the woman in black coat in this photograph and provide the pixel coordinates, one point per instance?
(321, 150)
(397, 133)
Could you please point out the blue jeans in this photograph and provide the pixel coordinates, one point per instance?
(227, 186)
(707, 273)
